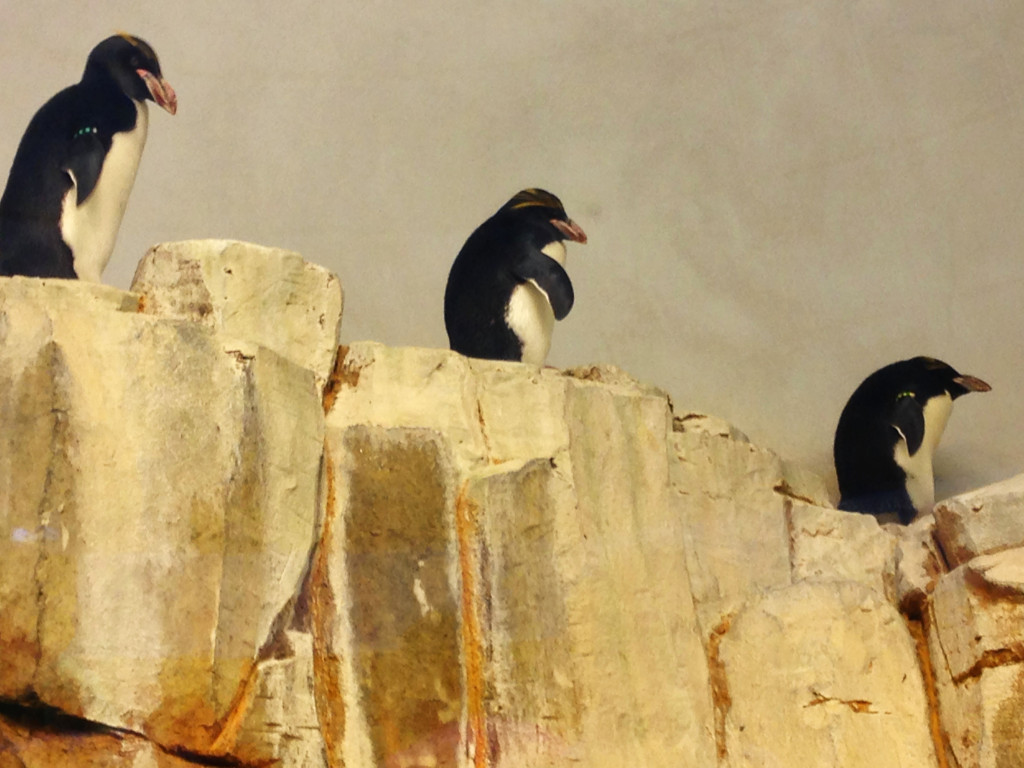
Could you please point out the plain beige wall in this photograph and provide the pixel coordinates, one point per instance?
(780, 197)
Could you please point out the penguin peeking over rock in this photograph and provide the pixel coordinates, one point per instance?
(888, 432)
(75, 166)
(508, 284)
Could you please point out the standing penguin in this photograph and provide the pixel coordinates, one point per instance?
(888, 432)
(508, 284)
(75, 165)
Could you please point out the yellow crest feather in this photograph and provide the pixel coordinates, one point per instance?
(533, 197)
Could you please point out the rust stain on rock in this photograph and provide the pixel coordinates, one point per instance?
(720, 698)
(1008, 726)
(1000, 657)
(344, 374)
(783, 488)
(989, 593)
(52, 742)
(404, 614)
(229, 726)
(860, 706)
(327, 693)
(679, 422)
(919, 631)
(486, 437)
(187, 296)
(467, 528)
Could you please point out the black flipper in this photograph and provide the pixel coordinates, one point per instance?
(908, 417)
(85, 160)
(550, 277)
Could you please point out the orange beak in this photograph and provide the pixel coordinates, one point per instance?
(571, 230)
(160, 90)
(972, 383)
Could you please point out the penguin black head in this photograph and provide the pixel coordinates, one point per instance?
(131, 63)
(540, 205)
(508, 284)
(888, 432)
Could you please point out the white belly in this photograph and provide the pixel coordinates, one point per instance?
(529, 312)
(920, 477)
(920, 480)
(90, 226)
(531, 318)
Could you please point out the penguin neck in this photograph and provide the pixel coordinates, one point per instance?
(555, 250)
(920, 479)
(936, 415)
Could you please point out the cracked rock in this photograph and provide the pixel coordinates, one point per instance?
(258, 295)
(979, 612)
(158, 501)
(981, 521)
(823, 674)
(919, 564)
(27, 742)
(977, 648)
(546, 496)
(831, 545)
(735, 529)
(462, 562)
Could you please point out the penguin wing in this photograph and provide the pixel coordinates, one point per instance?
(548, 275)
(908, 419)
(84, 162)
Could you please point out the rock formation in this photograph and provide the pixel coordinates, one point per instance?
(226, 541)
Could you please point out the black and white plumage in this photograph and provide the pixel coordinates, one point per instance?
(508, 284)
(888, 432)
(76, 164)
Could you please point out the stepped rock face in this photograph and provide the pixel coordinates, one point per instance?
(547, 533)
(159, 491)
(253, 294)
(224, 541)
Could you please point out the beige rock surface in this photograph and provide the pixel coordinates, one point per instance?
(279, 722)
(982, 521)
(569, 671)
(60, 745)
(824, 674)
(162, 517)
(735, 530)
(979, 612)
(977, 648)
(447, 562)
(589, 449)
(919, 564)
(830, 545)
(982, 718)
(260, 295)
(390, 652)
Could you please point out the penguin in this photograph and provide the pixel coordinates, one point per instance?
(888, 432)
(508, 284)
(75, 166)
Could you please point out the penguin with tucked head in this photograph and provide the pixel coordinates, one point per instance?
(508, 284)
(76, 164)
(888, 433)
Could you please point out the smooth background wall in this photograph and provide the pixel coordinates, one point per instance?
(780, 196)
